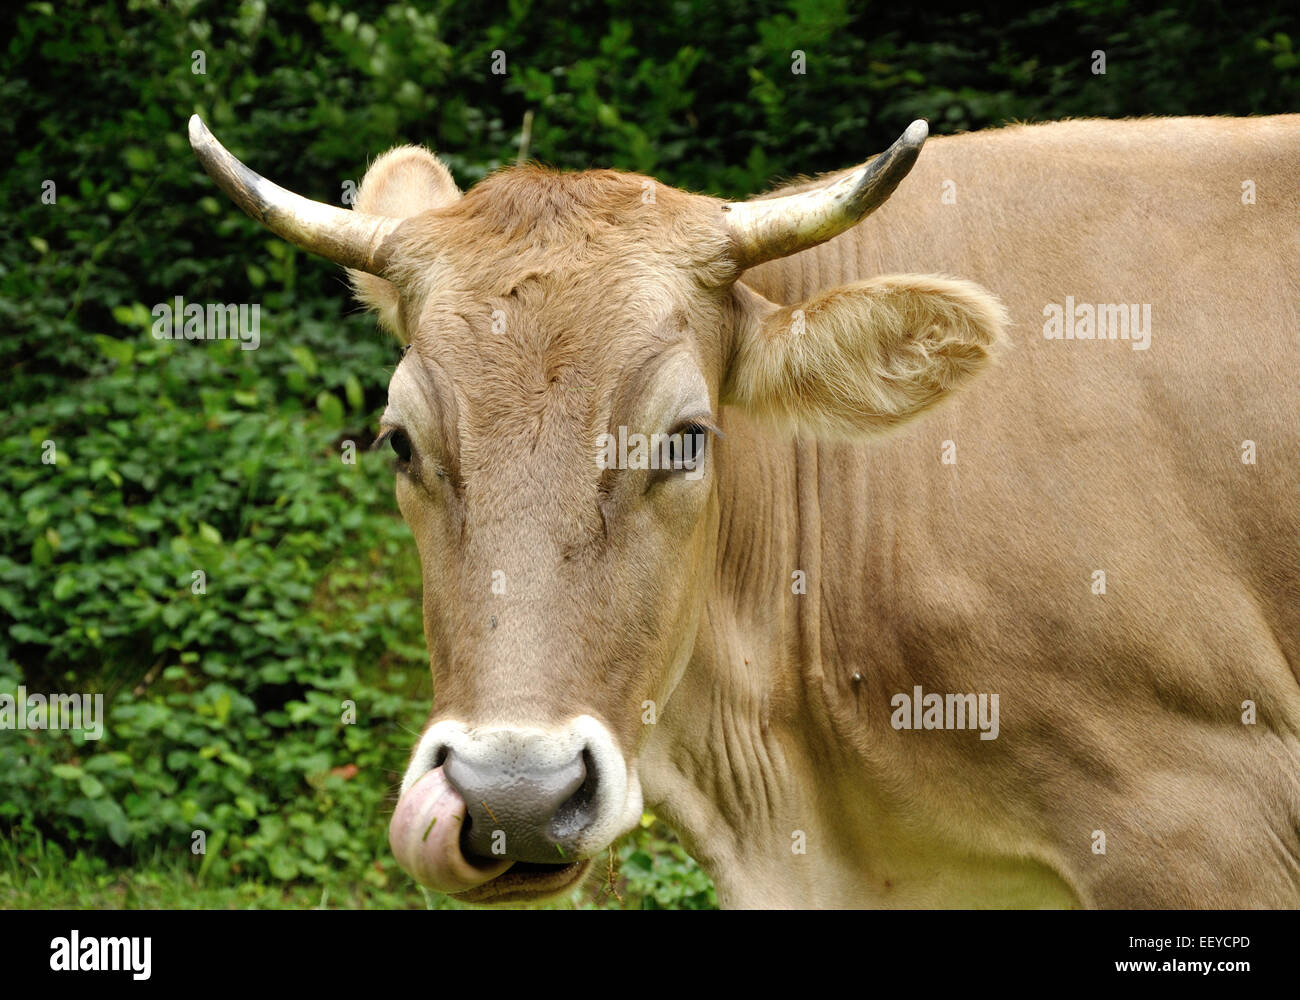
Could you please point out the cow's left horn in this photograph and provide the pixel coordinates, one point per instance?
(353, 239)
(777, 227)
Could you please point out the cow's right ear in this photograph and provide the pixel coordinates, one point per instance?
(859, 358)
(403, 182)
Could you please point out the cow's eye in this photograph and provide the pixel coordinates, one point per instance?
(396, 439)
(686, 446)
(401, 445)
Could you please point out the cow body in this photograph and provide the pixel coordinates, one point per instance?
(1121, 712)
(862, 644)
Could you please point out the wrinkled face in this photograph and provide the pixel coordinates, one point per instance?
(572, 338)
(562, 574)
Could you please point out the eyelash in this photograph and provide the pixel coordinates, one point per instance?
(700, 439)
(397, 439)
(392, 437)
(692, 429)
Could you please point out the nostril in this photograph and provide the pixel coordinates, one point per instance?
(532, 811)
(440, 757)
(577, 812)
(466, 841)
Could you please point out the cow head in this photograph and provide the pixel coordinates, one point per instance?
(556, 422)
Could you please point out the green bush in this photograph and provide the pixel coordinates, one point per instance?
(227, 705)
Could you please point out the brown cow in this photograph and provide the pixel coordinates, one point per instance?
(1036, 647)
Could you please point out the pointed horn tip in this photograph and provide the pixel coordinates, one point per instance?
(198, 132)
(917, 132)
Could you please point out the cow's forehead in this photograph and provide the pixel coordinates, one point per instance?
(510, 334)
(555, 361)
(555, 317)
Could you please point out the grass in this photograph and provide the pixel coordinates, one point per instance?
(652, 871)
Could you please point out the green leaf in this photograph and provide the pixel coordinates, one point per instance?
(330, 407)
(282, 864)
(306, 360)
(114, 819)
(91, 787)
(356, 395)
(239, 763)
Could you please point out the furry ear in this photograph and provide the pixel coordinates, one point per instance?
(403, 182)
(863, 357)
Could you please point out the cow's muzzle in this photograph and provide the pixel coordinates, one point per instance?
(505, 812)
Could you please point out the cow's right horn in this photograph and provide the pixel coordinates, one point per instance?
(353, 239)
(768, 228)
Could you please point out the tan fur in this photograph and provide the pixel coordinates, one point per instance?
(863, 357)
(1120, 713)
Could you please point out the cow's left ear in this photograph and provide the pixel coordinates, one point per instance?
(860, 358)
(403, 182)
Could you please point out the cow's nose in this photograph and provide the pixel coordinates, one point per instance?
(522, 812)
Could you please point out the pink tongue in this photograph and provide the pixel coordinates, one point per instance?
(425, 837)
